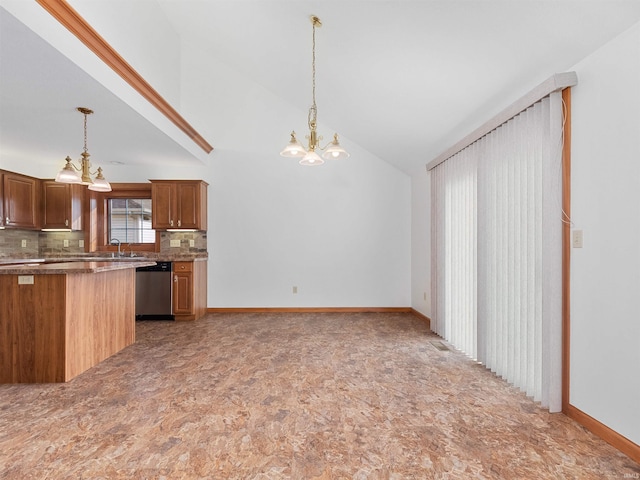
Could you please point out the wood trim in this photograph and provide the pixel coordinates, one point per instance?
(610, 436)
(566, 250)
(556, 82)
(626, 446)
(76, 24)
(422, 316)
(310, 310)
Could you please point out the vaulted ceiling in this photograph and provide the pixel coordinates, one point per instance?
(402, 79)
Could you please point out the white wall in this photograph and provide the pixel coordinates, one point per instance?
(339, 232)
(421, 242)
(605, 274)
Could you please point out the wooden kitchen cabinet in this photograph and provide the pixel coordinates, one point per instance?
(20, 199)
(189, 290)
(179, 204)
(62, 205)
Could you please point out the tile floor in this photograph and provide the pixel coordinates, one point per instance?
(291, 396)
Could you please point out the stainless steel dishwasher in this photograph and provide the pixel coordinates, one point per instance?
(153, 292)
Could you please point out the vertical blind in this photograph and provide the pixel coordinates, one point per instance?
(496, 248)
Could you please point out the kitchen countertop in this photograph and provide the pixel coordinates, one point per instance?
(151, 257)
(61, 267)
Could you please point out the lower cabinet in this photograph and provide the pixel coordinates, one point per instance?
(189, 290)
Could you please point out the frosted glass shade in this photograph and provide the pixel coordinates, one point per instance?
(68, 174)
(294, 148)
(311, 159)
(334, 151)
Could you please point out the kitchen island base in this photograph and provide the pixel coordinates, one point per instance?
(53, 327)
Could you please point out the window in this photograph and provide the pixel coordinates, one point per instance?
(123, 215)
(129, 220)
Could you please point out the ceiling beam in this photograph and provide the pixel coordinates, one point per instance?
(76, 24)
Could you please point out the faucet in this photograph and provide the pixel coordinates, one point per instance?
(114, 240)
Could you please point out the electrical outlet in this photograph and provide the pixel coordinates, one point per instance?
(25, 279)
(295, 289)
(81, 243)
(577, 239)
(174, 243)
(24, 243)
(65, 243)
(192, 243)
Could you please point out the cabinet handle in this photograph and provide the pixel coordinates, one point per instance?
(175, 278)
(7, 222)
(171, 223)
(179, 223)
(66, 223)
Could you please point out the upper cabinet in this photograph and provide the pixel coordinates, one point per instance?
(62, 205)
(179, 204)
(20, 200)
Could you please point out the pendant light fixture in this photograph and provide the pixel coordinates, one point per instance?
(294, 148)
(69, 174)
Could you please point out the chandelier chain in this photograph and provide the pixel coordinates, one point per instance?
(85, 133)
(313, 111)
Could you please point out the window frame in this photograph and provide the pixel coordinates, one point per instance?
(99, 210)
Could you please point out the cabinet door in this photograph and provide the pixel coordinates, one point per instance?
(163, 205)
(182, 293)
(20, 201)
(188, 205)
(62, 205)
(57, 207)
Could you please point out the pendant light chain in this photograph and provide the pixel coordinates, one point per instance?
(313, 64)
(313, 111)
(85, 132)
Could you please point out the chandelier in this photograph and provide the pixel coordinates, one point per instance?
(69, 174)
(333, 150)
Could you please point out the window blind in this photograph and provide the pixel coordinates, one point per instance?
(496, 248)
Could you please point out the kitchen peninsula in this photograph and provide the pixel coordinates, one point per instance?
(59, 319)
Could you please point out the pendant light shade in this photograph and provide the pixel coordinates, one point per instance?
(334, 151)
(311, 159)
(294, 148)
(99, 183)
(68, 173)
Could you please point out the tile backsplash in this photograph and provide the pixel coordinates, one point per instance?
(42, 244)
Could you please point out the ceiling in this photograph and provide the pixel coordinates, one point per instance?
(402, 79)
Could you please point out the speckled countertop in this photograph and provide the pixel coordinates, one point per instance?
(57, 268)
(153, 257)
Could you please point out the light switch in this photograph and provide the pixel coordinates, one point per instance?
(577, 239)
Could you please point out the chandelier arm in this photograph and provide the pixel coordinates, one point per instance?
(70, 162)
